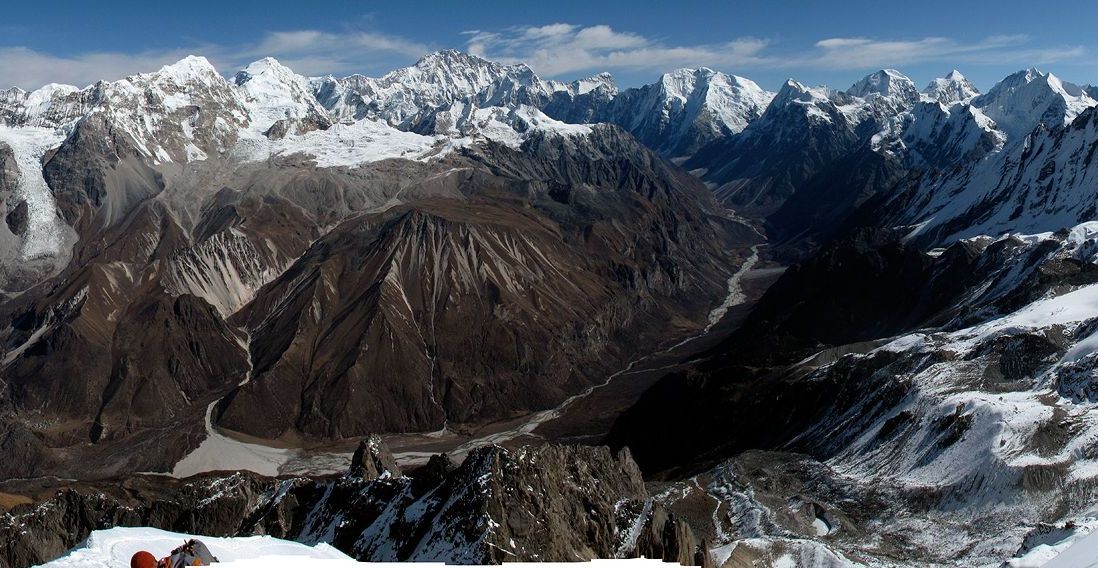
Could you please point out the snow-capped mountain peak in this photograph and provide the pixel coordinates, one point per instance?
(272, 93)
(189, 69)
(680, 83)
(267, 71)
(688, 108)
(796, 94)
(449, 70)
(453, 59)
(264, 65)
(604, 81)
(1030, 97)
(51, 105)
(404, 97)
(887, 83)
(953, 88)
(939, 134)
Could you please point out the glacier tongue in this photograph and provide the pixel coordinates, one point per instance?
(45, 232)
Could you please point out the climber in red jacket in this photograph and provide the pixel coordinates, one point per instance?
(192, 553)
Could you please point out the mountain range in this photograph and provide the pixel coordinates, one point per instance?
(832, 327)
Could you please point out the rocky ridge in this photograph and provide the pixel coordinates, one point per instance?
(550, 503)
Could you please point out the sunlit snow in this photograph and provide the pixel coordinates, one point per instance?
(45, 230)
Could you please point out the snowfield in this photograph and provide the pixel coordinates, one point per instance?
(346, 145)
(1080, 553)
(1078, 549)
(113, 548)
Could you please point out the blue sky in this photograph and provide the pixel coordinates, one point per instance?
(833, 42)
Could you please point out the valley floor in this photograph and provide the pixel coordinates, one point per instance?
(584, 418)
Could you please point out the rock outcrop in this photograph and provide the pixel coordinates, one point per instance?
(547, 503)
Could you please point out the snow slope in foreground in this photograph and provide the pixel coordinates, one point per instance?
(1082, 553)
(1078, 549)
(113, 548)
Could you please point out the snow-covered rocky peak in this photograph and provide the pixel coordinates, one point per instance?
(190, 82)
(50, 106)
(686, 109)
(405, 97)
(182, 112)
(267, 67)
(187, 71)
(448, 75)
(454, 68)
(813, 103)
(793, 90)
(1023, 100)
(1043, 183)
(730, 97)
(735, 100)
(601, 82)
(887, 83)
(938, 134)
(508, 126)
(953, 88)
(273, 93)
(681, 83)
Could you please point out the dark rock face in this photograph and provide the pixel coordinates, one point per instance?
(662, 535)
(786, 149)
(1028, 188)
(803, 350)
(9, 172)
(550, 503)
(372, 459)
(23, 450)
(585, 108)
(97, 172)
(195, 352)
(487, 261)
(17, 219)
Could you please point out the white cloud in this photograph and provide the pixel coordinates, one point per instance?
(29, 69)
(313, 52)
(859, 53)
(308, 52)
(554, 50)
(561, 49)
